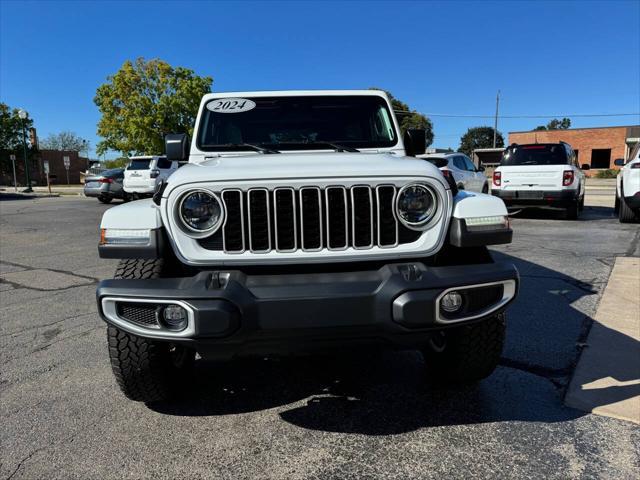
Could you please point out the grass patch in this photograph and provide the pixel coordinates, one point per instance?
(608, 173)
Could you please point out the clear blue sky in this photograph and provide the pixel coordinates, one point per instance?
(450, 57)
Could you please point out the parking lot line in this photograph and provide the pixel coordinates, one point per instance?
(607, 377)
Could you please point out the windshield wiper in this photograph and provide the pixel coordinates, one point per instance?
(336, 146)
(255, 148)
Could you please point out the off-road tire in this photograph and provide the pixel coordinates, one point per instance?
(105, 199)
(146, 370)
(466, 354)
(625, 213)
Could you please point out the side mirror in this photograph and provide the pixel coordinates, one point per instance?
(619, 162)
(415, 142)
(176, 146)
(586, 166)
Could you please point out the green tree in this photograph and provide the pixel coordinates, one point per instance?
(479, 137)
(66, 140)
(408, 118)
(143, 102)
(119, 162)
(11, 130)
(555, 124)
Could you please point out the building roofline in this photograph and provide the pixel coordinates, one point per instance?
(570, 129)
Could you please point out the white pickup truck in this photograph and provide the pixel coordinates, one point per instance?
(302, 222)
(541, 175)
(627, 204)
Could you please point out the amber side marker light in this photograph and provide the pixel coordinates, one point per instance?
(103, 232)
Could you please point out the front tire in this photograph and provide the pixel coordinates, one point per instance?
(105, 199)
(146, 370)
(466, 354)
(625, 213)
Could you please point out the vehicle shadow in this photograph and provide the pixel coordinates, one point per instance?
(377, 392)
(589, 213)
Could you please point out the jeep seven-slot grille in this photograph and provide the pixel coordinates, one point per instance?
(309, 219)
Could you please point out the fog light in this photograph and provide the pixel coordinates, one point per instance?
(451, 302)
(175, 317)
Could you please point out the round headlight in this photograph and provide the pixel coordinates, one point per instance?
(201, 212)
(416, 205)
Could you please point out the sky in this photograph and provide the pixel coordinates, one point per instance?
(545, 57)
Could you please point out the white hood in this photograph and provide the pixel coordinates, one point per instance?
(258, 167)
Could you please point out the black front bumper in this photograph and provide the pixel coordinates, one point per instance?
(239, 314)
(537, 198)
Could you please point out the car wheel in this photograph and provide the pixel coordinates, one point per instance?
(573, 210)
(146, 370)
(465, 354)
(625, 213)
(485, 188)
(105, 199)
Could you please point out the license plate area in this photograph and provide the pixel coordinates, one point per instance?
(536, 195)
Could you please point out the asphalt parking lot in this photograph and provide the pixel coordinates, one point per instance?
(367, 415)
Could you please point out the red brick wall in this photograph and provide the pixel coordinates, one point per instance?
(583, 139)
(77, 164)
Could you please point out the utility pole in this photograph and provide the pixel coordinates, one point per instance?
(495, 123)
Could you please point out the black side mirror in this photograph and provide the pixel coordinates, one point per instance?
(415, 142)
(176, 146)
(586, 166)
(619, 162)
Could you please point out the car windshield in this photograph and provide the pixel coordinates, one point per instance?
(437, 161)
(139, 164)
(297, 123)
(549, 154)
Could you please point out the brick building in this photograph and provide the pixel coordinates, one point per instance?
(57, 171)
(597, 147)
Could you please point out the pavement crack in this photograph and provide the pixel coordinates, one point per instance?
(35, 327)
(551, 374)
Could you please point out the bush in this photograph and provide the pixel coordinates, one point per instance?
(608, 173)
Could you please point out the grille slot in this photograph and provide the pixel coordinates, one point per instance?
(337, 218)
(259, 220)
(144, 314)
(309, 219)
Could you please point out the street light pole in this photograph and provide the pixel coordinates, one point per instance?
(23, 115)
(495, 123)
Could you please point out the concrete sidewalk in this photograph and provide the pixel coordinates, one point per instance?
(607, 378)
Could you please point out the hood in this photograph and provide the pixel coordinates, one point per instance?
(303, 165)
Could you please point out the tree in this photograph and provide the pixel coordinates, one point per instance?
(408, 118)
(66, 140)
(11, 130)
(119, 162)
(479, 137)
(555, 124)
(143, 102)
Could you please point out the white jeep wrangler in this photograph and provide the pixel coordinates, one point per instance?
(302, 222)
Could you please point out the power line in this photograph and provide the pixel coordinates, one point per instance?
(574, 115)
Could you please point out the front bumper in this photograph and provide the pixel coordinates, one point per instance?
(536, 198)
(231, 313)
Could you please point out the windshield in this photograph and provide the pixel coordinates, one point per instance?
(112, 173)
(437, 161)
(550, 154)
(297, 123)
(139, 164)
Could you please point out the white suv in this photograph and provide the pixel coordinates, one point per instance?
(461, 169)
(142, 174)
(542, 175)
(628, 188)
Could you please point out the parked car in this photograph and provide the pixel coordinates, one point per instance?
(460, 167)
(105, 186)
(300, 224)
(143, 173)
(541, 175)
(627, 204)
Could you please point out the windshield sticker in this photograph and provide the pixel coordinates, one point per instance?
(231, 105)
